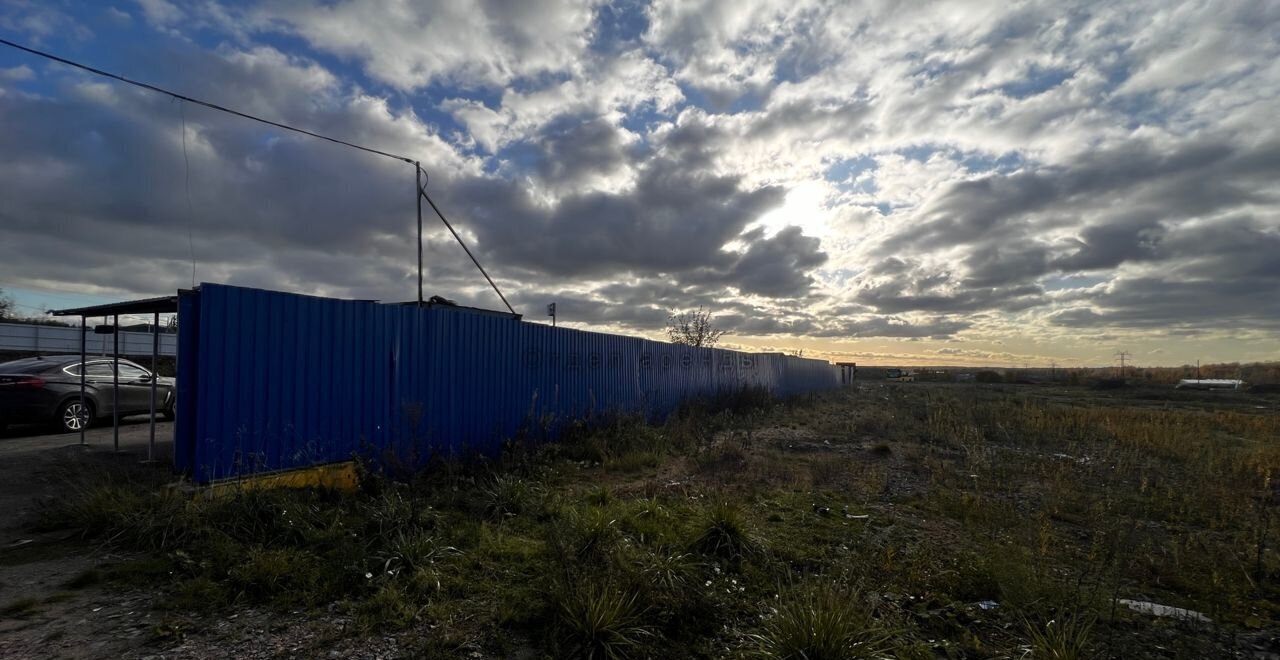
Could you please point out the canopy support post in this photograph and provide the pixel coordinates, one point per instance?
(155, 376)
(84, 328)
(115, 380)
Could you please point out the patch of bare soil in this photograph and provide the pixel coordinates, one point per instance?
(48, 620)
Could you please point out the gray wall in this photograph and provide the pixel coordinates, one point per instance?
(30, 338)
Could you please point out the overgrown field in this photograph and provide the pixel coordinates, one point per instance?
(908, 521)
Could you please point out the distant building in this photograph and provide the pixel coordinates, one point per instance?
(1209, 384)
(900, 375)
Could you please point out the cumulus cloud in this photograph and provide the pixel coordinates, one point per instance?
(412, 44)
(303, 207)
(585, 154)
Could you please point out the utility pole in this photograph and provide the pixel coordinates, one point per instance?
(1122, 355)
(1197, 370)
(417, 194)
(551, 311)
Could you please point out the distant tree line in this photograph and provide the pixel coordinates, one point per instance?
(9, 313)
(1253, 373)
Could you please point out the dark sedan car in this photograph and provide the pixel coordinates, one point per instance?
(47, 389)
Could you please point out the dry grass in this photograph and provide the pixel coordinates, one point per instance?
(802, 529)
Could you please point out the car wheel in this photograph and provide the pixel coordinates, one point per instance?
(167, 413)
(72, 417)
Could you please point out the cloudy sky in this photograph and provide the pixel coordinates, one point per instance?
(888, 182)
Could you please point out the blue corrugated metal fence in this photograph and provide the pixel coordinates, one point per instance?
(271, 381)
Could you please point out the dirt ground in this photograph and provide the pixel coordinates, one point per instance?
(30, 457)
(43, 616)
(34, 568)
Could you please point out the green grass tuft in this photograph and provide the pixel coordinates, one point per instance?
(725, 534)
(822, 624)
(1064, 638)
(391, 607)
(599, 621)
(508, 496)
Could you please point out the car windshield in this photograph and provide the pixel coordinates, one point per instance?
(27, 366)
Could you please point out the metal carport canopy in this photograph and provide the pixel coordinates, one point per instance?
(160, 305)
(153, 306)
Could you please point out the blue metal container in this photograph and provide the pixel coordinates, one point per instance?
(271, 381)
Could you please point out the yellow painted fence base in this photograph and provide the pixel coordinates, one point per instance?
(338, 476)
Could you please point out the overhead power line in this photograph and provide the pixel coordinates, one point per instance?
(420, 189)
(207, 104)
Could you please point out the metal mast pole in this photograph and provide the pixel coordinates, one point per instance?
(417, 195)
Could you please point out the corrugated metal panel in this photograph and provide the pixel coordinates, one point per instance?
(274, 380)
